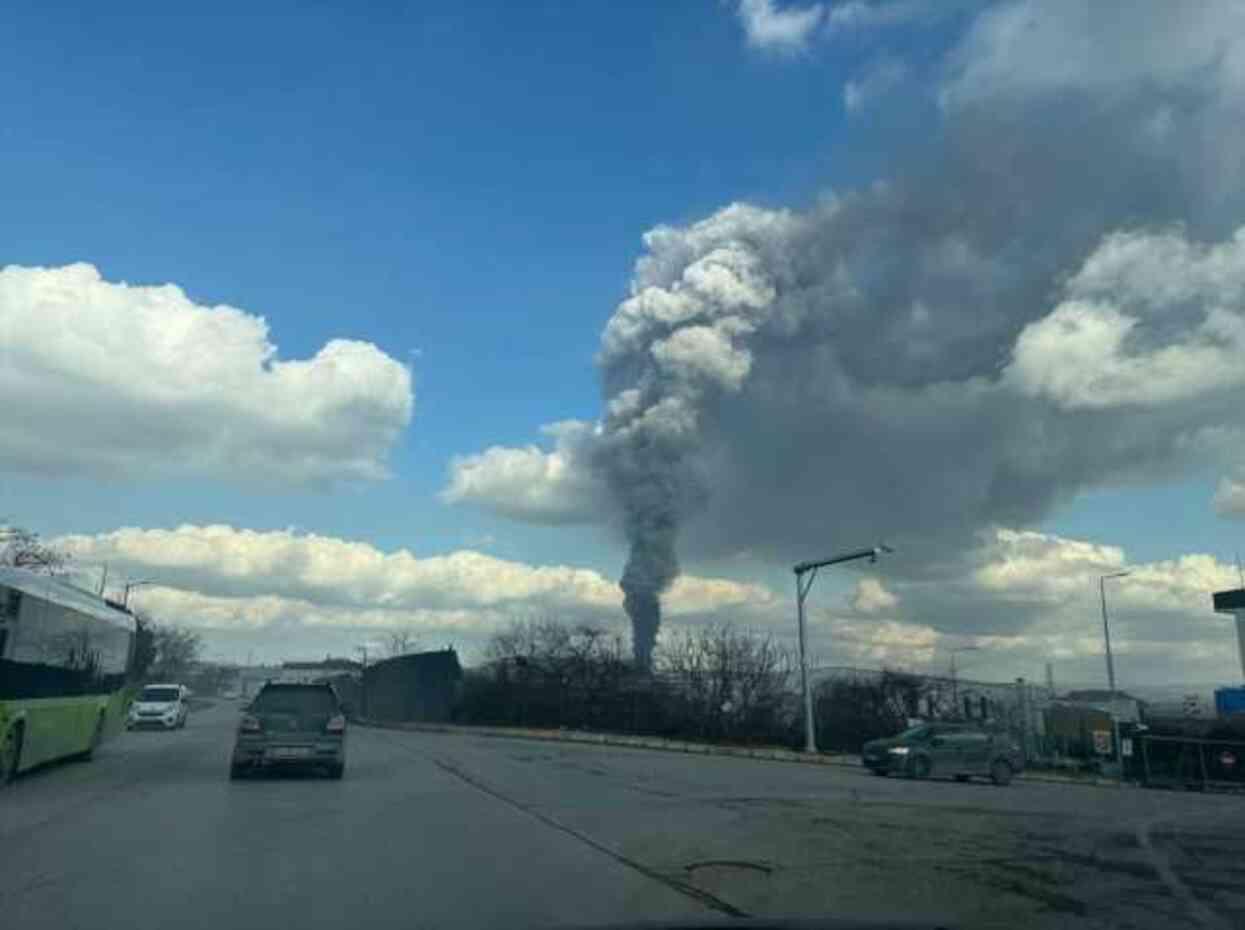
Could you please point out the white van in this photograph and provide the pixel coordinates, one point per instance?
(160, 705)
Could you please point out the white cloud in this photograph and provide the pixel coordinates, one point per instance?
(879, 643)
(281, 572)
(872, 597)
(532, 484)
(111, 379)
(1020, 566)
(1150, 319)
(775, 28)
(1230, 497)
(878, 80)
(1025, 598)
(290, 595)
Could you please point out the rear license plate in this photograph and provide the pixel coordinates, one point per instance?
(289, 752)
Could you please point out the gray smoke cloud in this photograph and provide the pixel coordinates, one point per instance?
(943, 351)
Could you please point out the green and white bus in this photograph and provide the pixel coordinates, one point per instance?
(65, 656)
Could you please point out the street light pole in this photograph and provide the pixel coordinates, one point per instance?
(1106, 638)
(802, 586)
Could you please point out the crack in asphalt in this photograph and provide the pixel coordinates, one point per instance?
(448, 766)
(683, 888)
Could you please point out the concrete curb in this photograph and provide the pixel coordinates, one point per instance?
(764, 753)
(770, 753)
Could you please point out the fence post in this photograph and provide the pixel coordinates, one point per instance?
(1201, 760)
(1145, 757)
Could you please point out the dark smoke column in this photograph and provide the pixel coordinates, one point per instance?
(651, 568)
(644, 461)
(670, 350)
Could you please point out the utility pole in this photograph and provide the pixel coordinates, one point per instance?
(1106, 637)
(802, 587)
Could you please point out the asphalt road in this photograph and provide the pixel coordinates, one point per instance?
(433, 830)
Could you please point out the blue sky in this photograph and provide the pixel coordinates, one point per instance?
(465, 187)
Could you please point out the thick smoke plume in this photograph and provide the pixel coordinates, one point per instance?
(1047, 298)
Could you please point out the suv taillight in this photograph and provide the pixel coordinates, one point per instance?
(250, 724)
(336, 724)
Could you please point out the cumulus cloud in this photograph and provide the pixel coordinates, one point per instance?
(361, 580)
(107, 378)
(872, 597)
(775, 28)
(879, 644)
(1150, 319)
(1025, 598)
(531, 484)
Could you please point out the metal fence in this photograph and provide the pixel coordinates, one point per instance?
(1189, 763)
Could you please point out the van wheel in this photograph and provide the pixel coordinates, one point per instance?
(1000, 772)
(10, 755)
(920, 767)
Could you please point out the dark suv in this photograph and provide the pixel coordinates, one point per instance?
(294, 726)
(958, 749)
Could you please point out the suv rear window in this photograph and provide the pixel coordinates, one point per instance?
(293, 699)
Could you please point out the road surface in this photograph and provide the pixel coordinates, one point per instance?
(433, 830)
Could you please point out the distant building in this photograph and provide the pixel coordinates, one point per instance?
(1123, 706)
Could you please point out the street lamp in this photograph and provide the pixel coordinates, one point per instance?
(955, 681)
(802, 587)
(1106, 638)
(125, 598)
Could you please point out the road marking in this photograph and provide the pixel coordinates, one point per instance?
(1162, 865)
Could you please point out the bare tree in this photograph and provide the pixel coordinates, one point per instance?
(730, 683)
(401, 641)
(177, 649)
(22, 548)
